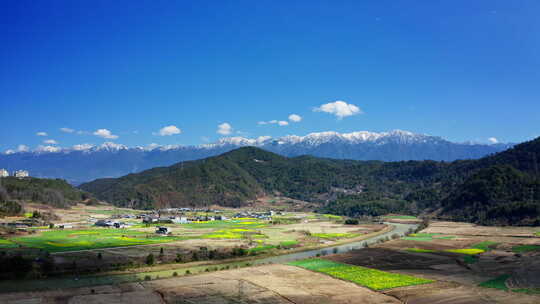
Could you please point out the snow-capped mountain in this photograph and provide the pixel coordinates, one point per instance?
(86, 162)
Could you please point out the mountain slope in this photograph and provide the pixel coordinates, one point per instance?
(85, 163)
(53, 192)
(243, 174)
(499, 189)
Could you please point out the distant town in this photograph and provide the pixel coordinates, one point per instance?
(17, 173)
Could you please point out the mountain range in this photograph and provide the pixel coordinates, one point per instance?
(502, 189)
(83, 163)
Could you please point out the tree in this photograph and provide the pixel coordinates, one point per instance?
(150, 259)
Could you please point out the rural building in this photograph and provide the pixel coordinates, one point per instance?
(163, 230)
(180, 220)
(103, 223)
(4, 173)
(150, 219)
(21, 173)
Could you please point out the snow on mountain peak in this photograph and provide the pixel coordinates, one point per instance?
(110, 146)
(311, 139)
(48, 149)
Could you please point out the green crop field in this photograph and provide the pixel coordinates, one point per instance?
(420, 250)
(427, 237)
(470, 259)
(266, 235)
(537, 234)
(486, 245)
(59, 240)
(334, 235)
(498, 283)
(69, 240)
(401, 217)
(371, 278)
(332, 217)
(532, 291)
(525, 248)
(470, 251)
(7, 244)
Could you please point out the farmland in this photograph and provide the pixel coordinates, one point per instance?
(475, 264)
(427, 267)
(243, 229)
(371, 278)
(92, 249)
(455, 259)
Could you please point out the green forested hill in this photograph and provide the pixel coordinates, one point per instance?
(502, 188)
(243, 174)
(53, 192)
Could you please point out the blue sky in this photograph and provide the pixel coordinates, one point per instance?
(463, 70)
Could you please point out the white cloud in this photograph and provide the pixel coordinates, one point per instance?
(493, 140)
(168, 131)
(295, 118)
(83, 147)
(224, 129)
(51, 149)
(67, 130)
(50, 142)
(80, 132)
(339, 108)
(10, 151)
(274, 121)
(23, 148)
(105, 134)
(41, 134)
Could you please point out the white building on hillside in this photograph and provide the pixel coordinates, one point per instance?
(4, 173)
(21, 173)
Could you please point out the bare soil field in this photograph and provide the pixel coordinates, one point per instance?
(265, 284)
(467, 229)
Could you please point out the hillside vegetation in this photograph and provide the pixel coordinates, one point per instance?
(54, 192)
(500, 189)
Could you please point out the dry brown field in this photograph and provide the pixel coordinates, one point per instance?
(264, 284)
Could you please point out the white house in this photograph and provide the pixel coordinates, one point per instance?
(180, 220)
(4, 173)
(21, 173)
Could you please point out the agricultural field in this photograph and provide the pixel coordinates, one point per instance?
(473, 263)
(249, 230)
(95, 238)
(272, 284)
(367, 277)
(400, 217)
(96, 249)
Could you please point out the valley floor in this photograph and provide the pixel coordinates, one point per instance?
(455, 263)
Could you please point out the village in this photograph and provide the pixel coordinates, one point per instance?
(177, 216)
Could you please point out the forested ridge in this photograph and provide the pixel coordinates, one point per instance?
(499, 189)
(14, 192)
